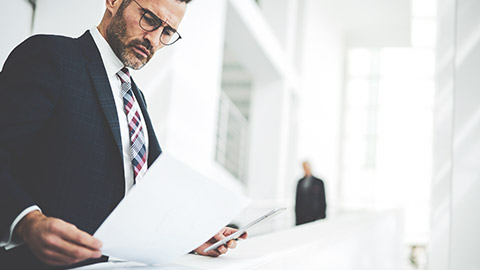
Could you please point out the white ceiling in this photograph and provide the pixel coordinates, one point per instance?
(370, 22)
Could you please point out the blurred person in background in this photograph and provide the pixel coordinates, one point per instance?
(310, 202)
(76, 135)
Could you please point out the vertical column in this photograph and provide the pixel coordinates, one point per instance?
(322, 65)
(465, 240)
(439, 257)
(267, 141)
(456, 184)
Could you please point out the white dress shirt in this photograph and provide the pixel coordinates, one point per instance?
(112, 66)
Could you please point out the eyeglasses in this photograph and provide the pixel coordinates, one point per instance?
(150, 22)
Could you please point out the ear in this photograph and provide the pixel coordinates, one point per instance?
(112, 5)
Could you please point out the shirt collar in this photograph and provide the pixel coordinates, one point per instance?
(110, 60)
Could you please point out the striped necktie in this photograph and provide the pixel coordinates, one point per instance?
(135, 126)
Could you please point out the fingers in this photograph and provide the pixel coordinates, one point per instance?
(74, 252)
(56, 258)
(57, 242)
(72, 234)
(232, 244)
(244, 235)
(48, 252)
(72, 239)
(74, 243)
(220, 235)
(213, 253)
(222, 249)
(227, 231)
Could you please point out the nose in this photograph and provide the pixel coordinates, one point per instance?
(154, 38)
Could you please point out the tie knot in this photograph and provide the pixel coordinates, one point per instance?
(124, 75)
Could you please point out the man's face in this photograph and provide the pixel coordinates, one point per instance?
(133, 45)
(306, 168)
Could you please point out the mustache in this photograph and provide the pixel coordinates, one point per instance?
(144, 43)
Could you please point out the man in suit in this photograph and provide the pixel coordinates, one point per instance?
(76, 135)
(310, 202)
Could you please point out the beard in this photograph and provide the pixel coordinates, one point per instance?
(117, 38)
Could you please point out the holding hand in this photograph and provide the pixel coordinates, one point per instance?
(217, 237)
(55, 241)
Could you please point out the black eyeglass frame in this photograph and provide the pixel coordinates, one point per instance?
(161, 23)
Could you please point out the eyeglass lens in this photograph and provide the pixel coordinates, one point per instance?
(149, 23)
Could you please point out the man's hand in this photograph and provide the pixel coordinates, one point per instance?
(217, 237)
(55, 241)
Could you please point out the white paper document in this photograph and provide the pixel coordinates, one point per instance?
(170, 212)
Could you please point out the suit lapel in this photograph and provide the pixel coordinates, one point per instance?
(98, 74)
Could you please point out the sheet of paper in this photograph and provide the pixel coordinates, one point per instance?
(170, 212)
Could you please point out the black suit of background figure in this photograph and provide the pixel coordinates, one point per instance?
(310, 204)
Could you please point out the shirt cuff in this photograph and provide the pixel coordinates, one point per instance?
(8, 240)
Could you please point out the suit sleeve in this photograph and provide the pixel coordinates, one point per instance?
(30, 83)
(323, 199)
(297, 198)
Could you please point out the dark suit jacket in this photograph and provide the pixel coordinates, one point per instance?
(60, 144)
(310, 204)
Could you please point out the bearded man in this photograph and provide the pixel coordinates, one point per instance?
(76, 135)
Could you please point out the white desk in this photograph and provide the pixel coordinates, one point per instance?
(356, 241)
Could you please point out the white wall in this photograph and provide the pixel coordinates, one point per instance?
(456, 204)
(70, 18)
(16, 21)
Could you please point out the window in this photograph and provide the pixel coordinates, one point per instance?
(388, 126)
